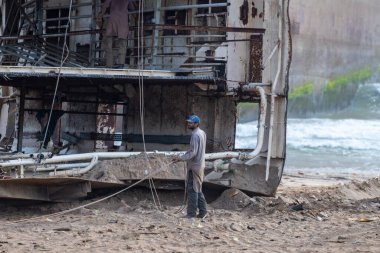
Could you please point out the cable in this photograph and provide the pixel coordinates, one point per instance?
(89, 204)
(140, 59)
(64, 48)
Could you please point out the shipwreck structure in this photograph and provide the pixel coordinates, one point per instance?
(61, 108)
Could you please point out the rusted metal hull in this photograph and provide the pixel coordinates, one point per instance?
(50, 189)
(201, 60)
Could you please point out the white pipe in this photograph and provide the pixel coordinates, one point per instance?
(279, 68)
(78, 172)
(260, 137)
(71, 158)
(253, 86)
(223, 155)
(23, 156)
(21, 171)
(271, 55)
(62, 167)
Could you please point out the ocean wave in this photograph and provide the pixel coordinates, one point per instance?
(331, 171)
(377, 86)
(248, 129)
(328, 133)
(320, 133)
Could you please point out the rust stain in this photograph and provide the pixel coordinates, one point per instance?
(254, 10)
(244, 9)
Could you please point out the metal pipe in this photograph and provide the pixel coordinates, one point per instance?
(21, 171)
(210, 15)
(67, 6)
(21, 115)
(61, 167)
(250, 87)
(78, 172)
(193, 6)
(22, 156)
(271, 55)
(184, 7)
(80, 157)
(109, 155)
(223, 155)
(66, 18)
(260, 137)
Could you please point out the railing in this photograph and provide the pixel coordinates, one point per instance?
(164, 46)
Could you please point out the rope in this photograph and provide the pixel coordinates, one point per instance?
(64, 48)
(89, 204)
(184, 203)
(140, 59)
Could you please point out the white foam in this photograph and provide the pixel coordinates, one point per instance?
(377, 86)
(327, 133)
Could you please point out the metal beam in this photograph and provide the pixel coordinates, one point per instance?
(204, 28)
(78, 112)
(137, 138)
(146, 27)
(194, 6)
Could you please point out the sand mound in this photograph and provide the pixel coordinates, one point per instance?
(361, 190)
(232, 199)
(134, 168)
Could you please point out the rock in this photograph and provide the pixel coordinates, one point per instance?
(297, 208)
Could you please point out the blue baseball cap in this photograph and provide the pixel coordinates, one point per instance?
(193, 119)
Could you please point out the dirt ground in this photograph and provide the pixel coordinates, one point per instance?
(339, 218)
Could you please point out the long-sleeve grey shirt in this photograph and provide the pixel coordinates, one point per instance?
(195, 157)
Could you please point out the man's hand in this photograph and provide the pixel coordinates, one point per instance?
(99, 22)
(177, 159)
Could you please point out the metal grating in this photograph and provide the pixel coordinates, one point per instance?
(38, 53)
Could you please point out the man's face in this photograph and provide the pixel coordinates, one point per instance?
(192, 125)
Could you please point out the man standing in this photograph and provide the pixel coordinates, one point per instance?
(195, 158)
(117, 27)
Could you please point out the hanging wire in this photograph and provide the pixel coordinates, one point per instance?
(63, 60)
(140, 59)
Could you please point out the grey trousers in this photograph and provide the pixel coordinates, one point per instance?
(121, 44)
(195, 200)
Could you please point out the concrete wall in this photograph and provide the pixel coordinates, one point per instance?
(332, 38)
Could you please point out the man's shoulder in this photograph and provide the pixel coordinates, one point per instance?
(201, 132)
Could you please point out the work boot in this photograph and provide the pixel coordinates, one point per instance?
(187, 217)
(202, 215)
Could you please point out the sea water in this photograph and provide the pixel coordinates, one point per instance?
(344, 143)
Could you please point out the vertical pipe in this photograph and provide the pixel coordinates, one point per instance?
(260, 136)
(21, 171)
(276, 80)
(20, 129)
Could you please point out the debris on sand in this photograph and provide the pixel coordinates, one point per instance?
(232, 199)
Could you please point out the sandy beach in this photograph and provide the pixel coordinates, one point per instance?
(305, 216)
